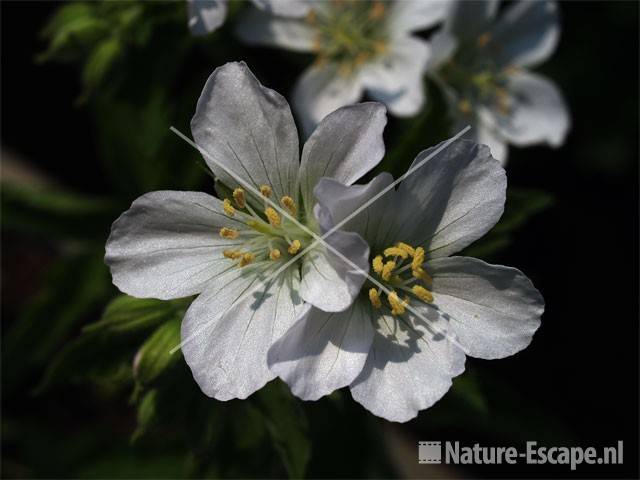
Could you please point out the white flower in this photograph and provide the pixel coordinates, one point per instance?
(359, 46)
(479, 58)
(176, 244)
(394, 362)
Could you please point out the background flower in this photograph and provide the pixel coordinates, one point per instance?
(480, 60)
(359, 46)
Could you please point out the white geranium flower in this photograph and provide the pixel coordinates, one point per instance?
(176, 244)
(397, 362)
(359, 46)
(479, 58)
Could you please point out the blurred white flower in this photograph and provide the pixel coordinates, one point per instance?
(479, 59)
(394, 362)
(175, 244)
(205, 16)
(360, 46)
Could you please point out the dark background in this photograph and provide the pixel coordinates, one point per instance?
(577, 382)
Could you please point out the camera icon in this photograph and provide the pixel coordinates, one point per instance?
(429, 452)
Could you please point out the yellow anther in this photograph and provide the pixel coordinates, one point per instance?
(464, 106)
(502, 101)
(228, 208)
(274, 254)
(418, 258)
(378, 264)
(361, 58)
(288, 203)
(272, 216)
(377, 12)
(311, 17)
(246, 259)
(379, 47)
(422, 275)
(395, 252)
(422, 293)
(387, 270)
(265, 190)
(484, 39)
(397, 306)
(407, 248)
(232, 254)
(238, 196)
(375, 298)
(294, 247)
(228, 233)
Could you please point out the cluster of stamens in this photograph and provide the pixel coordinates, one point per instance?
(401, 268)
(476, 78)
(350, 33)
(267, 236)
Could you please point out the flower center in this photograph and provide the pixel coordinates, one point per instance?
(401, 268)
(350, 33)
(477, 79)
(267, 236)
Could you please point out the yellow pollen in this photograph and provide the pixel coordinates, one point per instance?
(228, 233)
(422, 293)
(375, 298)
(274, 254)
(418, 259)
(272, 216)
(232, 254)
(502, 101)
(397, 306)
(484, 39)
(378, 264)
(361, 58)
(246, 259)
(311, 17)
(228, 208)
(387, 270)
(422, 275)
(294, 247)
(377, 11)
(395, 252)
(288, 203)
(407, 248)
(265, 190)
(238, 196)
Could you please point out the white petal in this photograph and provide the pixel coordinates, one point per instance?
(537, 112)
(485, 134)
(225, 344)
(408, 369)
(346, 145)
(453, 199)
(260, 28)
(167, 244)
(284, 8)
(320, 91)
(248, 129)
(205, 16)
(494, 310)
(323, 352)
(337, 202)
(468, 19)
(396, 79)
(329, 282)
(527, 33)
(413, 15)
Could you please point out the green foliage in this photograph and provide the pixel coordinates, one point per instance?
(155, 356)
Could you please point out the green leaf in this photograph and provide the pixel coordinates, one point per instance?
(99, 63)
(154, 357)
(125, 313)
(287, 425)
(55, 213)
